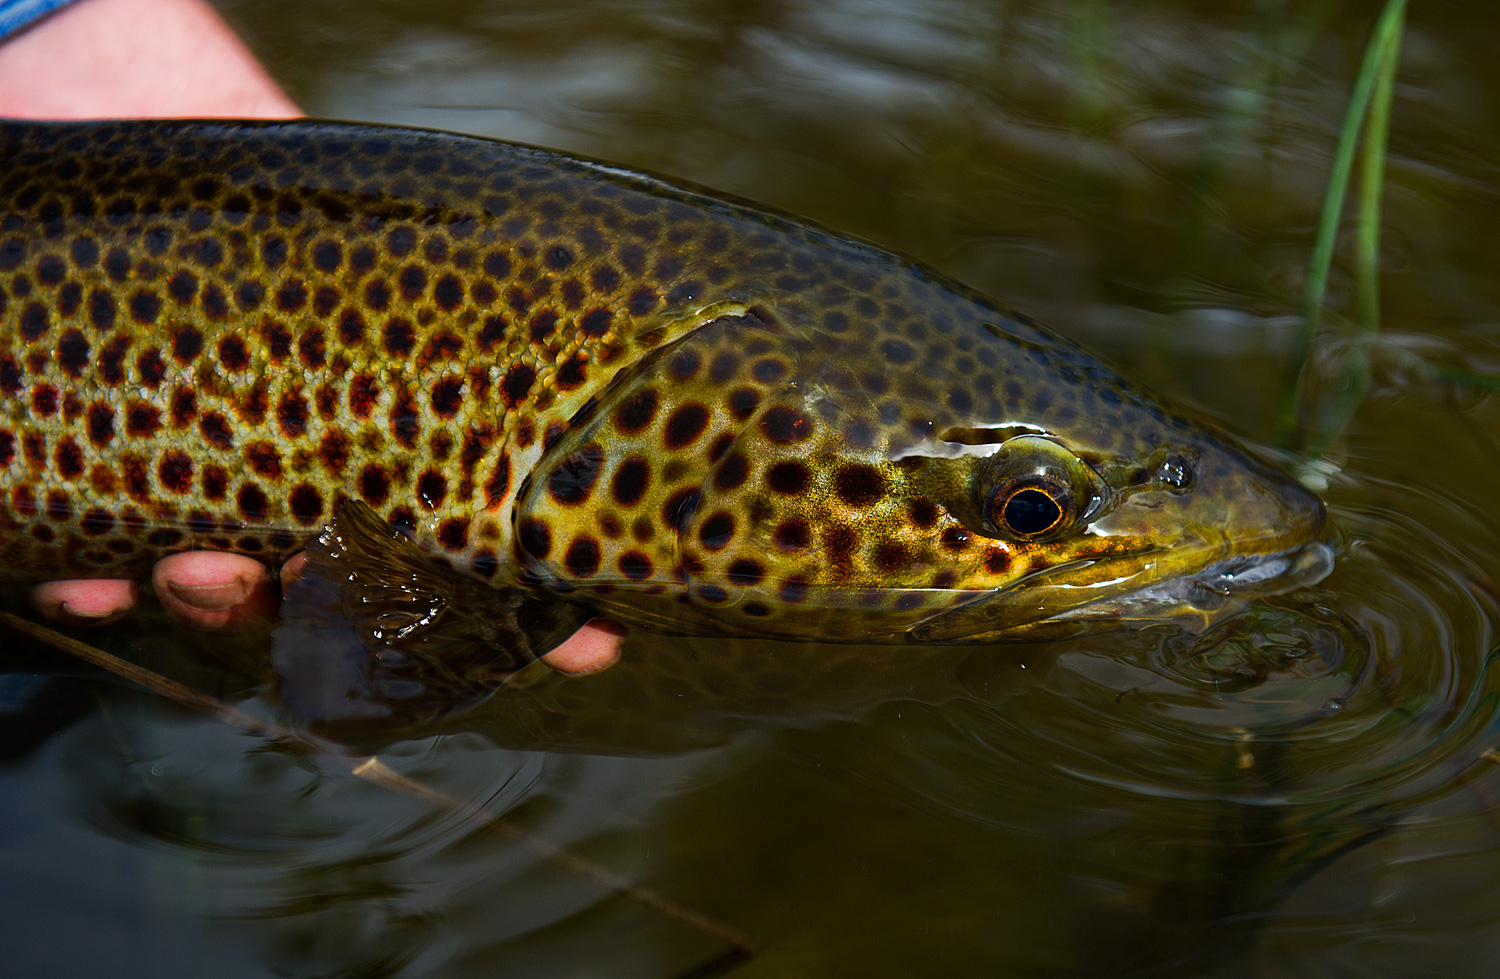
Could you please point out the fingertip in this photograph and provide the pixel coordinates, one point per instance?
(214, 590)
(85, 601)
(292, 570)
(595, 647)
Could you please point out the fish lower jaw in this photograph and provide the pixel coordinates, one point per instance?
(1200, 599)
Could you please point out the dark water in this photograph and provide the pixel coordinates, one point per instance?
(1303, 792)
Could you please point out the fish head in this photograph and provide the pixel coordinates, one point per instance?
(754, 478)
(1068, 539)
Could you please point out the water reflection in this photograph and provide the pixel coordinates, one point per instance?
(1303, 789)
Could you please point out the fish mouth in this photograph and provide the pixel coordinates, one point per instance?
(1196, 601)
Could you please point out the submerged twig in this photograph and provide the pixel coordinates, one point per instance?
(371, 769)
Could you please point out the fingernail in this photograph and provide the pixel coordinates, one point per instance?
(210, 598)
(89, 614)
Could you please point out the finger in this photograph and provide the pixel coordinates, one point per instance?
(212, 590)
(86, 601)
(594, 647)
(292, 570)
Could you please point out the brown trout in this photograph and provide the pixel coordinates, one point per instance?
(512, 380)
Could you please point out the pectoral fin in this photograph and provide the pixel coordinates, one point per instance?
(375, 628)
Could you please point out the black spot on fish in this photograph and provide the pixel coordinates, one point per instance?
(374, 484)
(306, 504)
(790, 478)
(582, 557)
(684, 365)
(717, 531)
(859, 485)
(956, 539)
(685, 425)
(35, 320)
(745, 572)
(785, 425)
(634, 565)
(635, 413)
(535, 538)
(922, 511)
(252, 503)
(432, 489)
(517, 384)
(631, 481)
(793, 591)
(792, 535)
(327, 256)
(732, 472)
(73, 353)
(571, 483)
(595, 322)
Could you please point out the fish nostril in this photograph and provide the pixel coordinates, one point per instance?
(1177, 474)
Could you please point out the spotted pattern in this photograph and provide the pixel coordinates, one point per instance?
(548, 372)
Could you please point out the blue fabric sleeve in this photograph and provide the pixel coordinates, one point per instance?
(17, 15)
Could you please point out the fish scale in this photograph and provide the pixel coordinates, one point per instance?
(568, 380)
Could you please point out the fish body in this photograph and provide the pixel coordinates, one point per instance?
(573, 383)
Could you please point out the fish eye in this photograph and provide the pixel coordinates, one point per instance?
(1033, 488)
(1030, 511)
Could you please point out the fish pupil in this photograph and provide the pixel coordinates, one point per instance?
(1031, 511)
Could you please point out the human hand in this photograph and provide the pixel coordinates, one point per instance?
(175, 58)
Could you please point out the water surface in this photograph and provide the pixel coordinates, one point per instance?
(1302, 790)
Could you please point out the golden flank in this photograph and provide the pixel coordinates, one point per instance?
(582, 390)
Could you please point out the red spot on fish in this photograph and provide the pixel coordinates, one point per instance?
(101, 423)
(215, 429)
(111, 362)
(264, 459)
(291, 415)
(215, 482)
(175, 471)
(183, 407)
(453, 534)
(333, 450)
(498, 485)
(142, 420)
(11, 375)
(363, 394)
(137, 477)
(406, 425)
(102, 479)
(255, 402)
(443, 346)
(44, 400)
(151, 367)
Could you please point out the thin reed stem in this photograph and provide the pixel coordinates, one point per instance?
(1381, 50)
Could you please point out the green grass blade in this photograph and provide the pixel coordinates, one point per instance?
(1385, 36)
(1366, 255)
